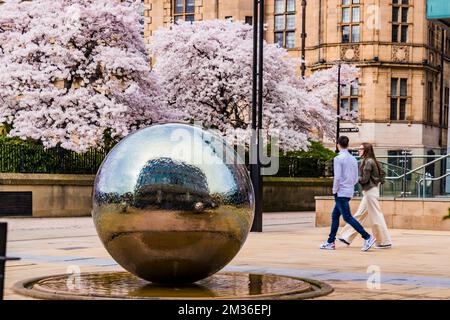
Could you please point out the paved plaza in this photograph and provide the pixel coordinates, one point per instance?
(418, 267)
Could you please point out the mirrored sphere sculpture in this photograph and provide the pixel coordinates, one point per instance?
(173, 204)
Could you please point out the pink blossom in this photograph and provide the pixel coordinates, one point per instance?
(71, 69)
(206, 70)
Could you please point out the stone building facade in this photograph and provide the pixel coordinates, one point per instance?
(400, 53)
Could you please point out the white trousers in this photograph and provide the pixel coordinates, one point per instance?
(369, 208)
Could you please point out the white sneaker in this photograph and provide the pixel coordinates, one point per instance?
(328, 246)
(368, 243)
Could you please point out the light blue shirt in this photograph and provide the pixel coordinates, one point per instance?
(345, 174)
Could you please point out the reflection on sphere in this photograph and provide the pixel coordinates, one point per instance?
(171, 217)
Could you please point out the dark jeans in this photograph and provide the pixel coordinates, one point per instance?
(342, 207)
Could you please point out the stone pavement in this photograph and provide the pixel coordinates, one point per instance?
(418, 267)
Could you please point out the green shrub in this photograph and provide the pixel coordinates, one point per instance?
(315, 151)
(19, 156)
(17, 142)
(311, 163)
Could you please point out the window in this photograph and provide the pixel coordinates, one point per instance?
(444, 121)
(399, 96)
(183, 10)
(435, 35)
(430, 102)
(285, 23)
(447, 43)
(350, 97)
(350, 22)
(249, 20)
(400, 10)
(396, 161)
(432, 36)
(229, 18)
(142, 17)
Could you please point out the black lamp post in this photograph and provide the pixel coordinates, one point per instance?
(303, 37)
(338, 120)
(3, 257)
(257, 108)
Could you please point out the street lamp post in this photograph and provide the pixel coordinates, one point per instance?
(257, 111)
(303, 37)
(3, 257)
(338, 118)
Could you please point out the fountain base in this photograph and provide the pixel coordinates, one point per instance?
(123, 285)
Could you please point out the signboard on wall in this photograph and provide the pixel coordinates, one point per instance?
(349, 130)
(439, 11)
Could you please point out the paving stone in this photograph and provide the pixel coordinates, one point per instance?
(417, 267)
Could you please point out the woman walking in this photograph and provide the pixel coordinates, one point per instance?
(370, 177)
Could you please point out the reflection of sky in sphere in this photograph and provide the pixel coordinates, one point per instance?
(191, 145)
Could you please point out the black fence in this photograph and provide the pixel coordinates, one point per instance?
(36, 159)
(303, 167)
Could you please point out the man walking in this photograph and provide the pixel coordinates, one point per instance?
(345, 178)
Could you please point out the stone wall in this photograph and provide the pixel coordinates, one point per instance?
(53, 195)
(57, 195)
(294, 194)
(399, 213)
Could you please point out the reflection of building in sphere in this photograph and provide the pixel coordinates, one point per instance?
(239, 194)
(171, 184)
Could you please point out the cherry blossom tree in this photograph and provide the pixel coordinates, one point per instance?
(206, 69)
(324, 83)
(72, 71)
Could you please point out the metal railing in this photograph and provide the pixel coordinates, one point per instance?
(429, 178)
(421, 181)
(36, 159)
(425, 177)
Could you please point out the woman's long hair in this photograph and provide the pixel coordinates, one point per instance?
(369, 153)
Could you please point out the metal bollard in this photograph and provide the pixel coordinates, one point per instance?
(3, 257)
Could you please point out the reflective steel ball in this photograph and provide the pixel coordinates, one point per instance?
(173, 204)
